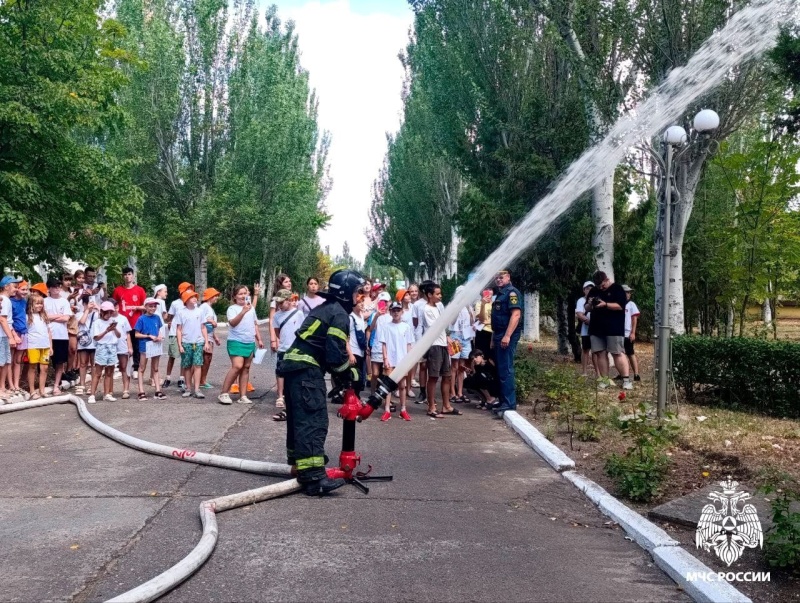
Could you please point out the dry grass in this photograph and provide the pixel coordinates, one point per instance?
(720, 441)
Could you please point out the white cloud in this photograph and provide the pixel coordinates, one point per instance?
(352, 61)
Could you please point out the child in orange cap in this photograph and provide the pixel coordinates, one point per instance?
(172, 349)
(192, 342)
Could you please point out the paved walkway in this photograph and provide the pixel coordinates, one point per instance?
(472, 515)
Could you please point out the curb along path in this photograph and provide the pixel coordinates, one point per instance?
(666, 551)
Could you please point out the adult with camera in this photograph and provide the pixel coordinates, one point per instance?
(606, 302)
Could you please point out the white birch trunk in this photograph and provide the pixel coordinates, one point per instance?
(766, 310)
(133, 262)
(530, 329)
(452, 264)
(731, 318)
(676, 309)
(603, 215)
(686, 179)
(41, 270)
(200, 263)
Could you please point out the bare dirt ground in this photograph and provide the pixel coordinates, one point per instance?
(713, 443)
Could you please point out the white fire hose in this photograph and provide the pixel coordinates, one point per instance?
(166, 581)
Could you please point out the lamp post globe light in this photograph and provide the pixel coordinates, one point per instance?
(422, 272)
(675, 137)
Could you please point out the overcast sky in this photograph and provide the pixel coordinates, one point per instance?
(350, 49)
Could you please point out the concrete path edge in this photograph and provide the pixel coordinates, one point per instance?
(675, 561)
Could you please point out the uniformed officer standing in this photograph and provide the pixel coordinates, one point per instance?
(506, 331)
(320, 347)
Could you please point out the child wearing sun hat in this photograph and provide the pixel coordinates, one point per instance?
(106, 334)
(149, 329)
(172, 347)
(192, 342)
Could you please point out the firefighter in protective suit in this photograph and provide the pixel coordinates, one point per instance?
(320, 346)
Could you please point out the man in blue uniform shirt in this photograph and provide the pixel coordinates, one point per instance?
(506, 331)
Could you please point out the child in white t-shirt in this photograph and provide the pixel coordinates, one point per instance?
(378, 318)
(105, 334)
(396, 339)
(124, 348)
(287, 320)
(210, 297)
(40, 344)
(192, 342)
(8, 338)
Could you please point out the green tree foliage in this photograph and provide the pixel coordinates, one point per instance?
(746, 240)
(491, 96)
(224, 137)
(277, 161)
(61, 192)
(416, 186)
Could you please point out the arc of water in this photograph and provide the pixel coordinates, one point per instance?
(748, 34)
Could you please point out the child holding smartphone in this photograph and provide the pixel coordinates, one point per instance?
(106, 334)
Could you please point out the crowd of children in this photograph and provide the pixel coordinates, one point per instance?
(73, 325)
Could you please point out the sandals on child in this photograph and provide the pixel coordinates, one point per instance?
(453, 411)
(142, 396)
(281, 416)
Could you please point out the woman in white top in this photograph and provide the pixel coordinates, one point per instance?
(368, 305)
(243, 336)
(311, 300)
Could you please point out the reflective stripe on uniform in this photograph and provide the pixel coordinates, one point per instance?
(337, 333)
(311, 462)
(300, 357)
(341, 368)
(310, 330)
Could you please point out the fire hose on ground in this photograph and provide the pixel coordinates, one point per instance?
(166, 581)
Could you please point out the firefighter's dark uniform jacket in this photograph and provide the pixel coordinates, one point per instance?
(320, 346)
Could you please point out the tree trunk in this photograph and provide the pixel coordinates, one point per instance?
(562, 326)
(531, 326)
(200, 264)
(766, 308)
(133, 261)
(603, 216)
(729, 323)
(574, 337)
(687, 176)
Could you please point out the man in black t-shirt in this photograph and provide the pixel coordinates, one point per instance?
(607, 328)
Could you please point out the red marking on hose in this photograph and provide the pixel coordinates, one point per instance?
(183, 454)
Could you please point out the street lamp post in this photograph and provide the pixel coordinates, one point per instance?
(422, 271)
(675, 136)
(410, 273)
